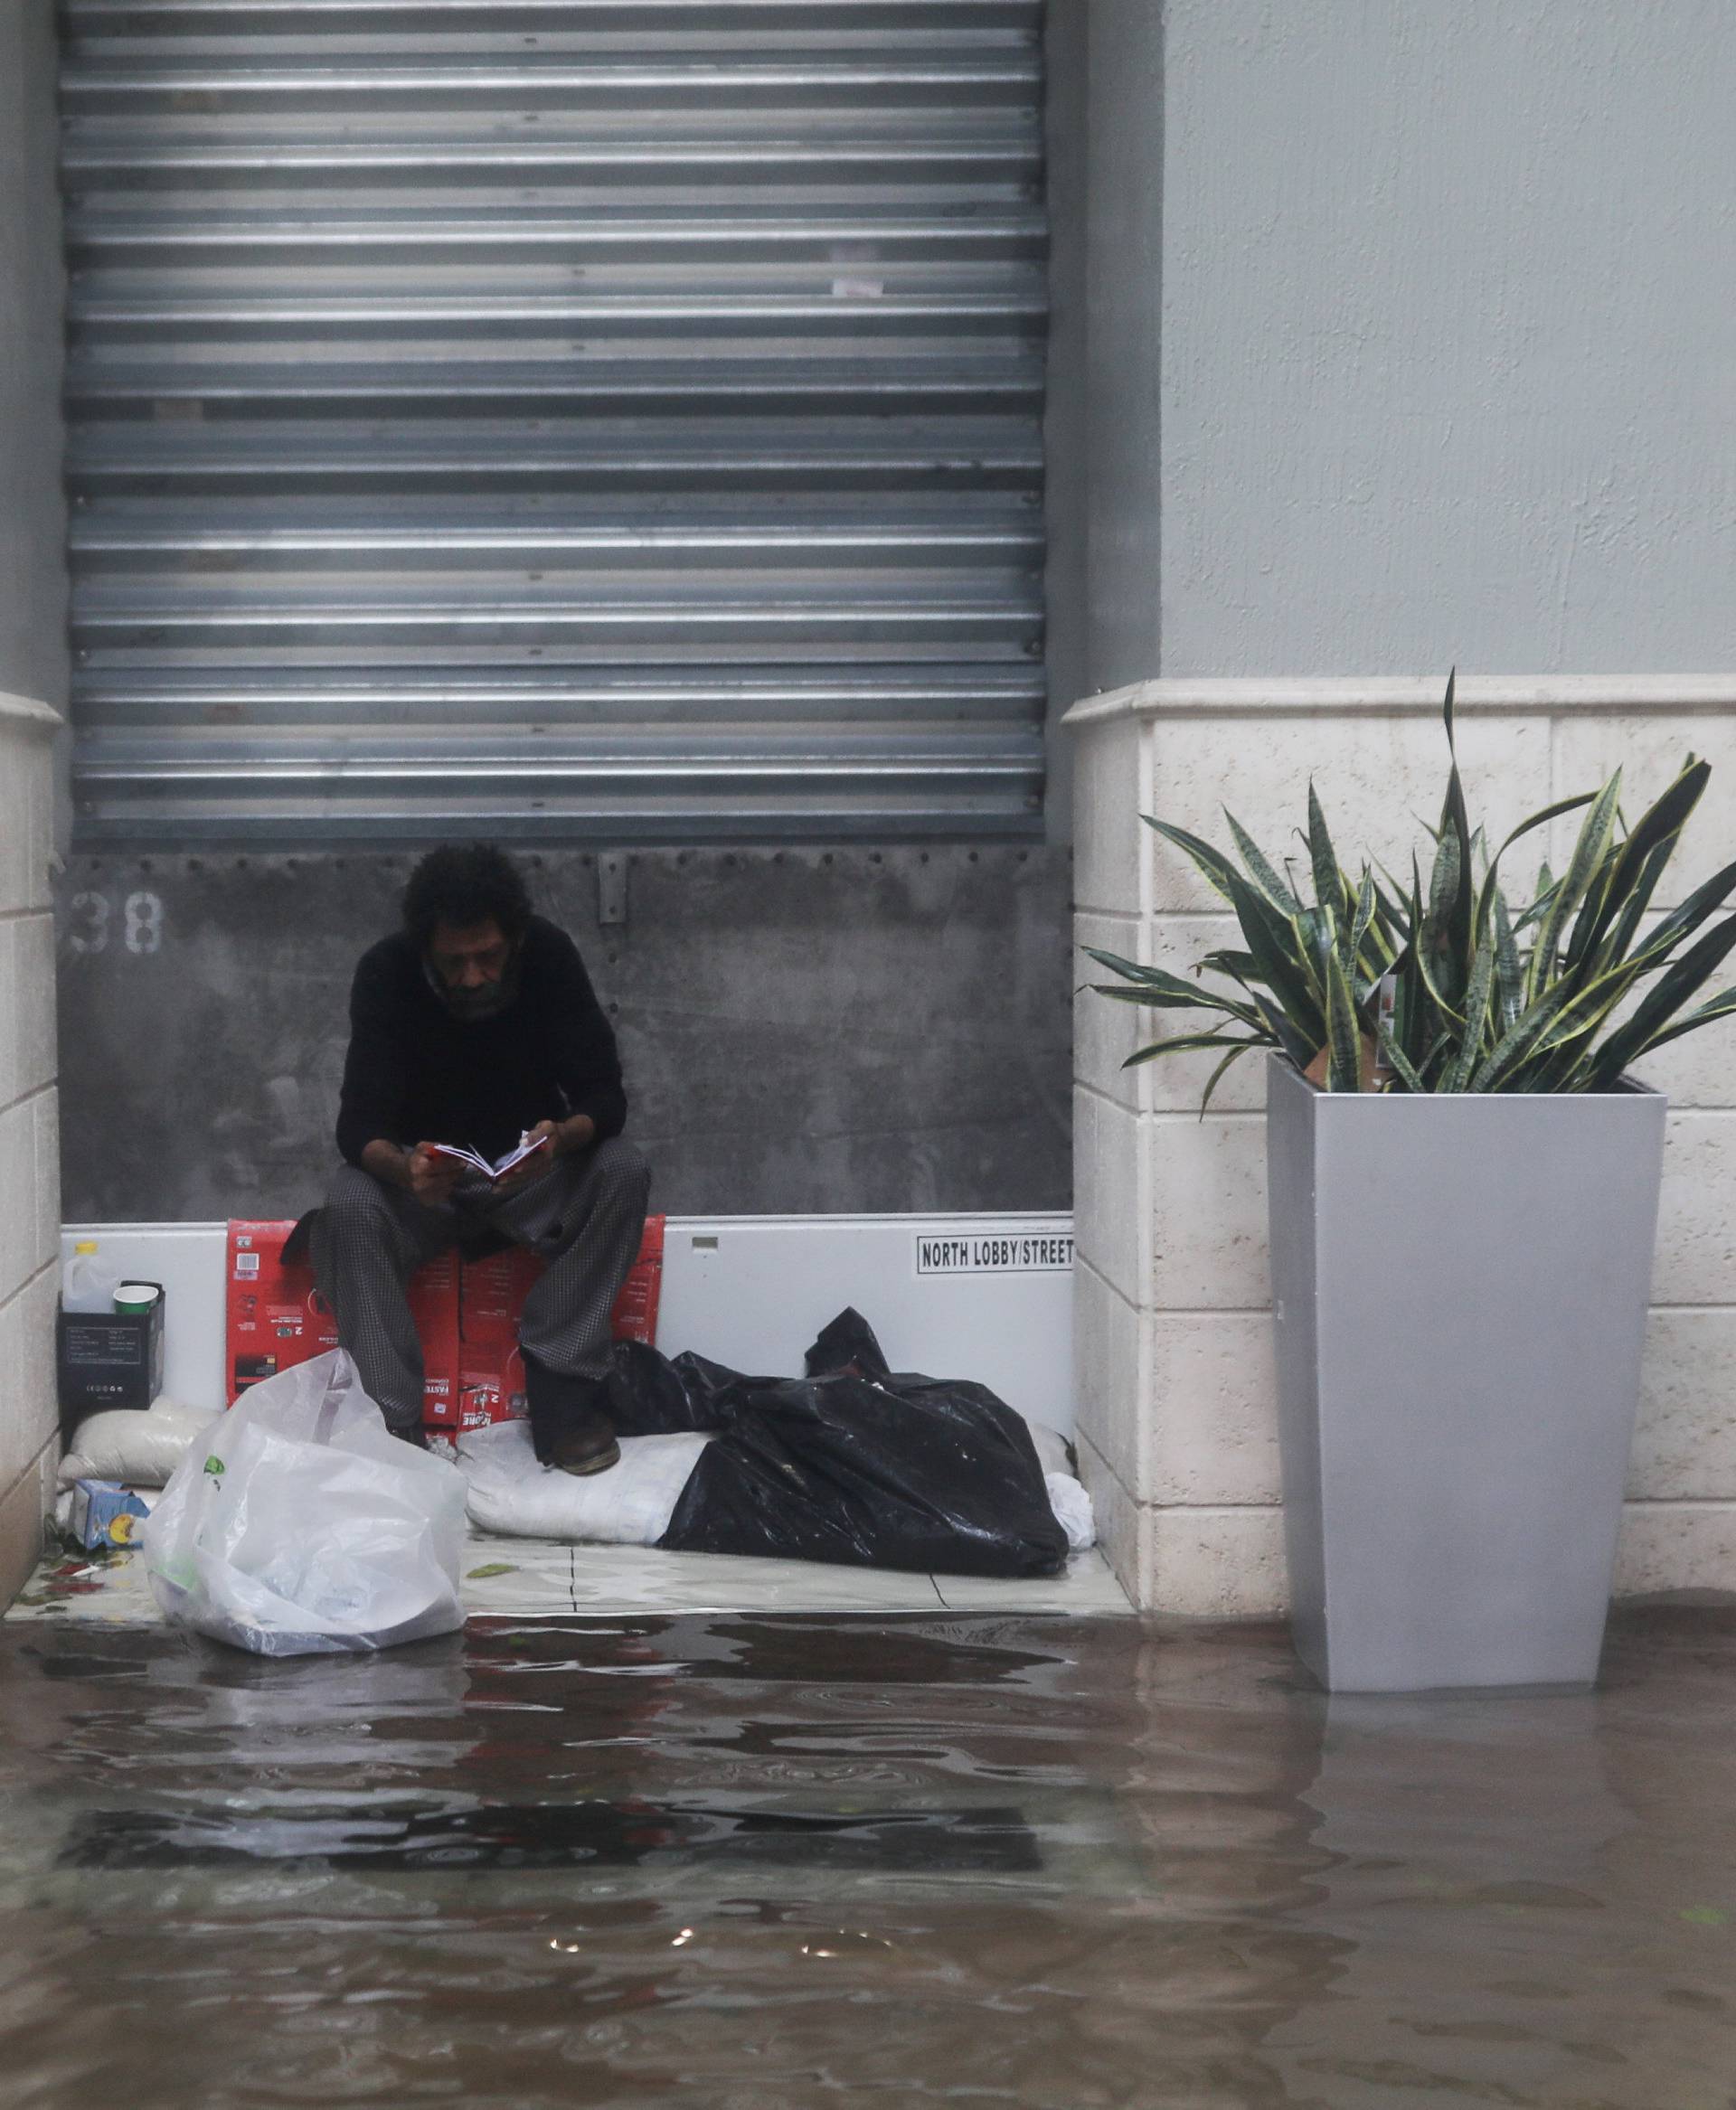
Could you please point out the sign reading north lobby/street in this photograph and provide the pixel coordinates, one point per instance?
(997, 1252)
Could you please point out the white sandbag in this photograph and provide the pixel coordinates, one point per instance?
(1073, 1513)
(630, 1504)
(302, 1526)
(141, 1450)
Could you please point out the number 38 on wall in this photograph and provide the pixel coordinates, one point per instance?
(92, 923)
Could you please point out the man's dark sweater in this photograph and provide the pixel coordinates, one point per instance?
(416, 1074)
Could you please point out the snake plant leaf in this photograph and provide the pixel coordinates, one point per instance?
(1362, 922)
(1147, 978)
(1225, 961)
(1202, 998)
(1690, 973)
(1264, 874)
(1328, 880)
(1283, 1033)
(1537, 820)
(1437, 998)
(1689, 915)
(1397, 1061)
(1619, 938)
(1390, 900)
(1212, 863)
(1275, 945)
(1476, 1011)
(1344, 1058)
(1721, 1006)
(1217, 1076)
(1148, 999)
(1456, 820)
(1658, 827)
(1181, 1042)
(1438, 955)
(1319, 932)
(1588, 854)
(1521, 1038)
(1510, 974)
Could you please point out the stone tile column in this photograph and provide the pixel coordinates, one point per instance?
(30, 1179)
(1176, 1388)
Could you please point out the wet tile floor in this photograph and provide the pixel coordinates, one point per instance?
(530, 1579)
(752, 1862)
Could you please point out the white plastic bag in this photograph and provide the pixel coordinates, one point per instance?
(300, 1525)
(630, 1504)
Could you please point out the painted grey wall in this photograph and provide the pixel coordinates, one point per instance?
(1125, 135)
(834, 1032)
(1106, 131)
(1448, 329)
(1409, 337)
(33, 518)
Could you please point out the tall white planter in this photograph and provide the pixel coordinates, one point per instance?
(1460, 1284)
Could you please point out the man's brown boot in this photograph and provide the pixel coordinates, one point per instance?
(568, 1426)
(586, 1447)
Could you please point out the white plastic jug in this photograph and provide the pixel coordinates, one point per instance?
(87, 1285)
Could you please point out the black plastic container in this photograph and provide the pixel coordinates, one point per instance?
(110, 1359)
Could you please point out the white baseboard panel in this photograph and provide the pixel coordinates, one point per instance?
(988, 1298)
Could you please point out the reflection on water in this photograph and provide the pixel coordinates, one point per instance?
(801, 1862)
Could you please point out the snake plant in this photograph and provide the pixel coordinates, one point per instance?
(1377, 984)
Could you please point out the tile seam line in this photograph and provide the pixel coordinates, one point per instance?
(1091, 1268)
(29, 1281)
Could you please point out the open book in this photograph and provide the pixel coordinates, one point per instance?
(496, 1169)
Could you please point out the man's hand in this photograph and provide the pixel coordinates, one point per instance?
(577, 1133)
(432, 1178)
(535, 1166)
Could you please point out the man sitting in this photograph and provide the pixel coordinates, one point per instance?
(474, 1024)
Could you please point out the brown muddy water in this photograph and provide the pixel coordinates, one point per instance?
(747, 1863)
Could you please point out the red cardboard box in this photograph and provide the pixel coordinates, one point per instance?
(492, 1292)
(635, 1316)
(466, 1315)
(276, 1318)
(491, 1384)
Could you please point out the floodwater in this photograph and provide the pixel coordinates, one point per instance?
(751, 1862)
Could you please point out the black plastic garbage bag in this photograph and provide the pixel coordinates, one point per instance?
(649, 1395)
(852, 1463)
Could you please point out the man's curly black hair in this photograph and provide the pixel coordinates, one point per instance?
(464, 884)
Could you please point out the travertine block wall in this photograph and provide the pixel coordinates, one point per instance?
(1175, 1388)
(30, 1180)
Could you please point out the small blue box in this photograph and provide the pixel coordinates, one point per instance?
(104, 1514)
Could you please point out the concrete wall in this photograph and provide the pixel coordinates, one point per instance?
(804, 1031)
(33, 686)
(1177, 1387)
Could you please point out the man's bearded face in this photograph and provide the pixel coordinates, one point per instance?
(474, 968)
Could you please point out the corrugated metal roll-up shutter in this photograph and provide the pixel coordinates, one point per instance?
(598, 419)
